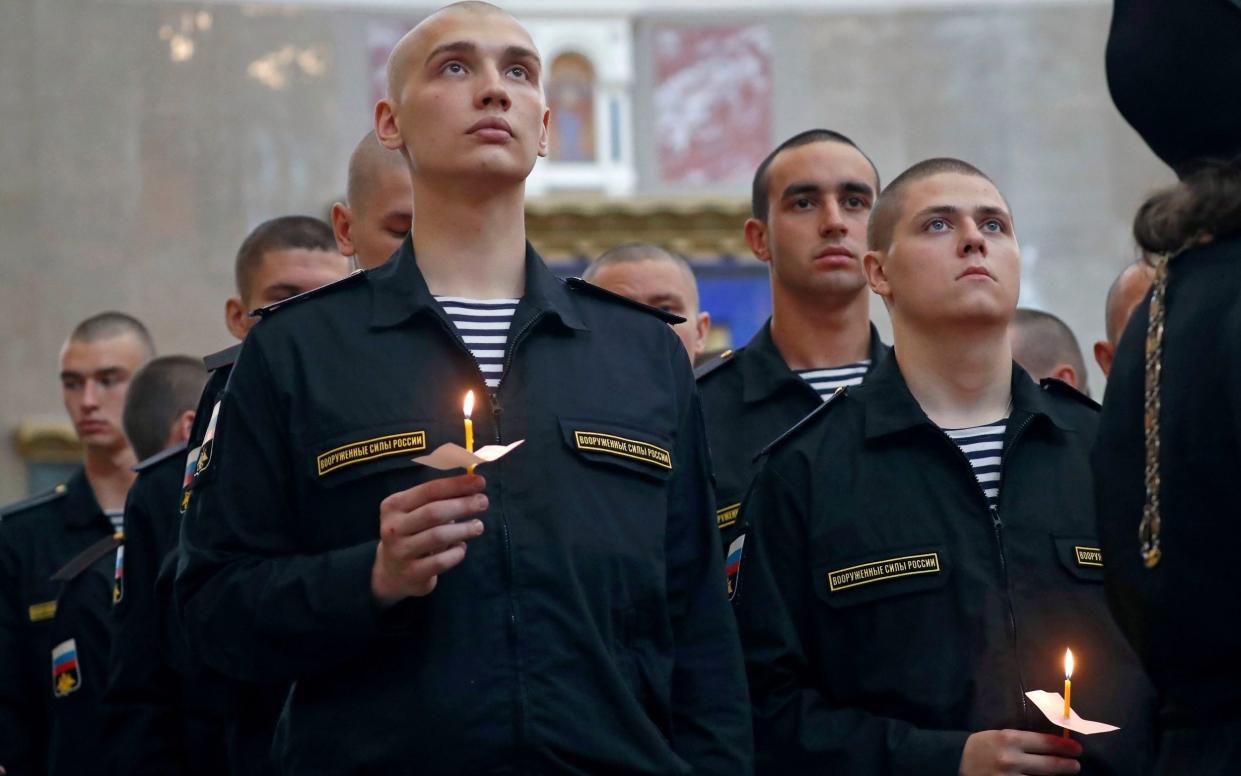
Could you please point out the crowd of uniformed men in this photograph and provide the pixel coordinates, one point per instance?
(817, 553)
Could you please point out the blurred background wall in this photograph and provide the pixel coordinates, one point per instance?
(140, 140)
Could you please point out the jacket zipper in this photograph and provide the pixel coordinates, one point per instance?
(1008, 592)
(505, 535)
(997, 527)
(519, 721)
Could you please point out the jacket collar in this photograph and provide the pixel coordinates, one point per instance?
(81, 508)
(890, 408)
(764, 371)
(399, 291)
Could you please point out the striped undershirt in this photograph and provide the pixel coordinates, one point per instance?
(983, 446)
(483, 325)
(826, 381)
(116, 517)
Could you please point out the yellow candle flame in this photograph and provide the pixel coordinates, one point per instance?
(469, 403)
(1068, 664)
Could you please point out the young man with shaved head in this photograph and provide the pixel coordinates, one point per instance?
(159, 408)
(658, 278)
(169, 714)
(558, 610)
(927, 545)
(378, 210)
(811, 197)
(40, 535)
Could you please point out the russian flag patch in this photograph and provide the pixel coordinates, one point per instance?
(66, 677)
(732, 565)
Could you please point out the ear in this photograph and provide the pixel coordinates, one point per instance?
(703, 325)
(756, 238)
(1065, 373)
(544, 133)
(1103, 355)
(876, 277)
(386, 128)
(235, 318)
(181, 428)
(342, 227)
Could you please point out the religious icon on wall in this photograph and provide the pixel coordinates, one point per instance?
(571, 97)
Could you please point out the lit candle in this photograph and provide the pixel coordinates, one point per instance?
(1068, 687)
(469, 427)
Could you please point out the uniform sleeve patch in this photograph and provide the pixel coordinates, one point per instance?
(732, 565)
(118, 581)
(203, 459)
(43, 611)
(66, 676)
(726, 517)
(882, 571)
(1088, 556)
(598, 442)
(369, 450)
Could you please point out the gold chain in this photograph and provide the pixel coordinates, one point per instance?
(1149, 528)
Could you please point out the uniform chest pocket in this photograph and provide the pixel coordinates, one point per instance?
(368, 450)
(881, 575)
(1081, 556)
(646, 452)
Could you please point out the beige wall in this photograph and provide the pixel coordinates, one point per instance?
(127, 179)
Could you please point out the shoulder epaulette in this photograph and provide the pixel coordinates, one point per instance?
(222, 358)
(274, 306)
(34, 501)
(162, 455)
(806, 421)
(1061, 388)
(86, 558)
(722, 360)
(577, 284)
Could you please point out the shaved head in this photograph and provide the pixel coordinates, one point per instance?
(630, 253)
(1042, 344)
(408, 46)
(1125, 293)
(369, 161)
(887, 210)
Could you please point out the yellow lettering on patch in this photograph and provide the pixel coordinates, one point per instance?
(883, 570)
(370, 449)
(1088, 556)
(43, 611)
(727, 516)
(646, 452)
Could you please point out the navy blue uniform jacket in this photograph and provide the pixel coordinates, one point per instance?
(587, 630)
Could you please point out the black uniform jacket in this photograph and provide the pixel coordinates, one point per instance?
(249, 709)
(1184, 615)
(586, 631)
(750, 397)
(37, 537)
(886, 611)
(159, 720)
(78, 661)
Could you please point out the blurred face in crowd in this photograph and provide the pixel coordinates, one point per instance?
(371, 227)
(953, 258)
(283, 274)
(820, 195)
(665, 285)
(466, 99)
(94, 378)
